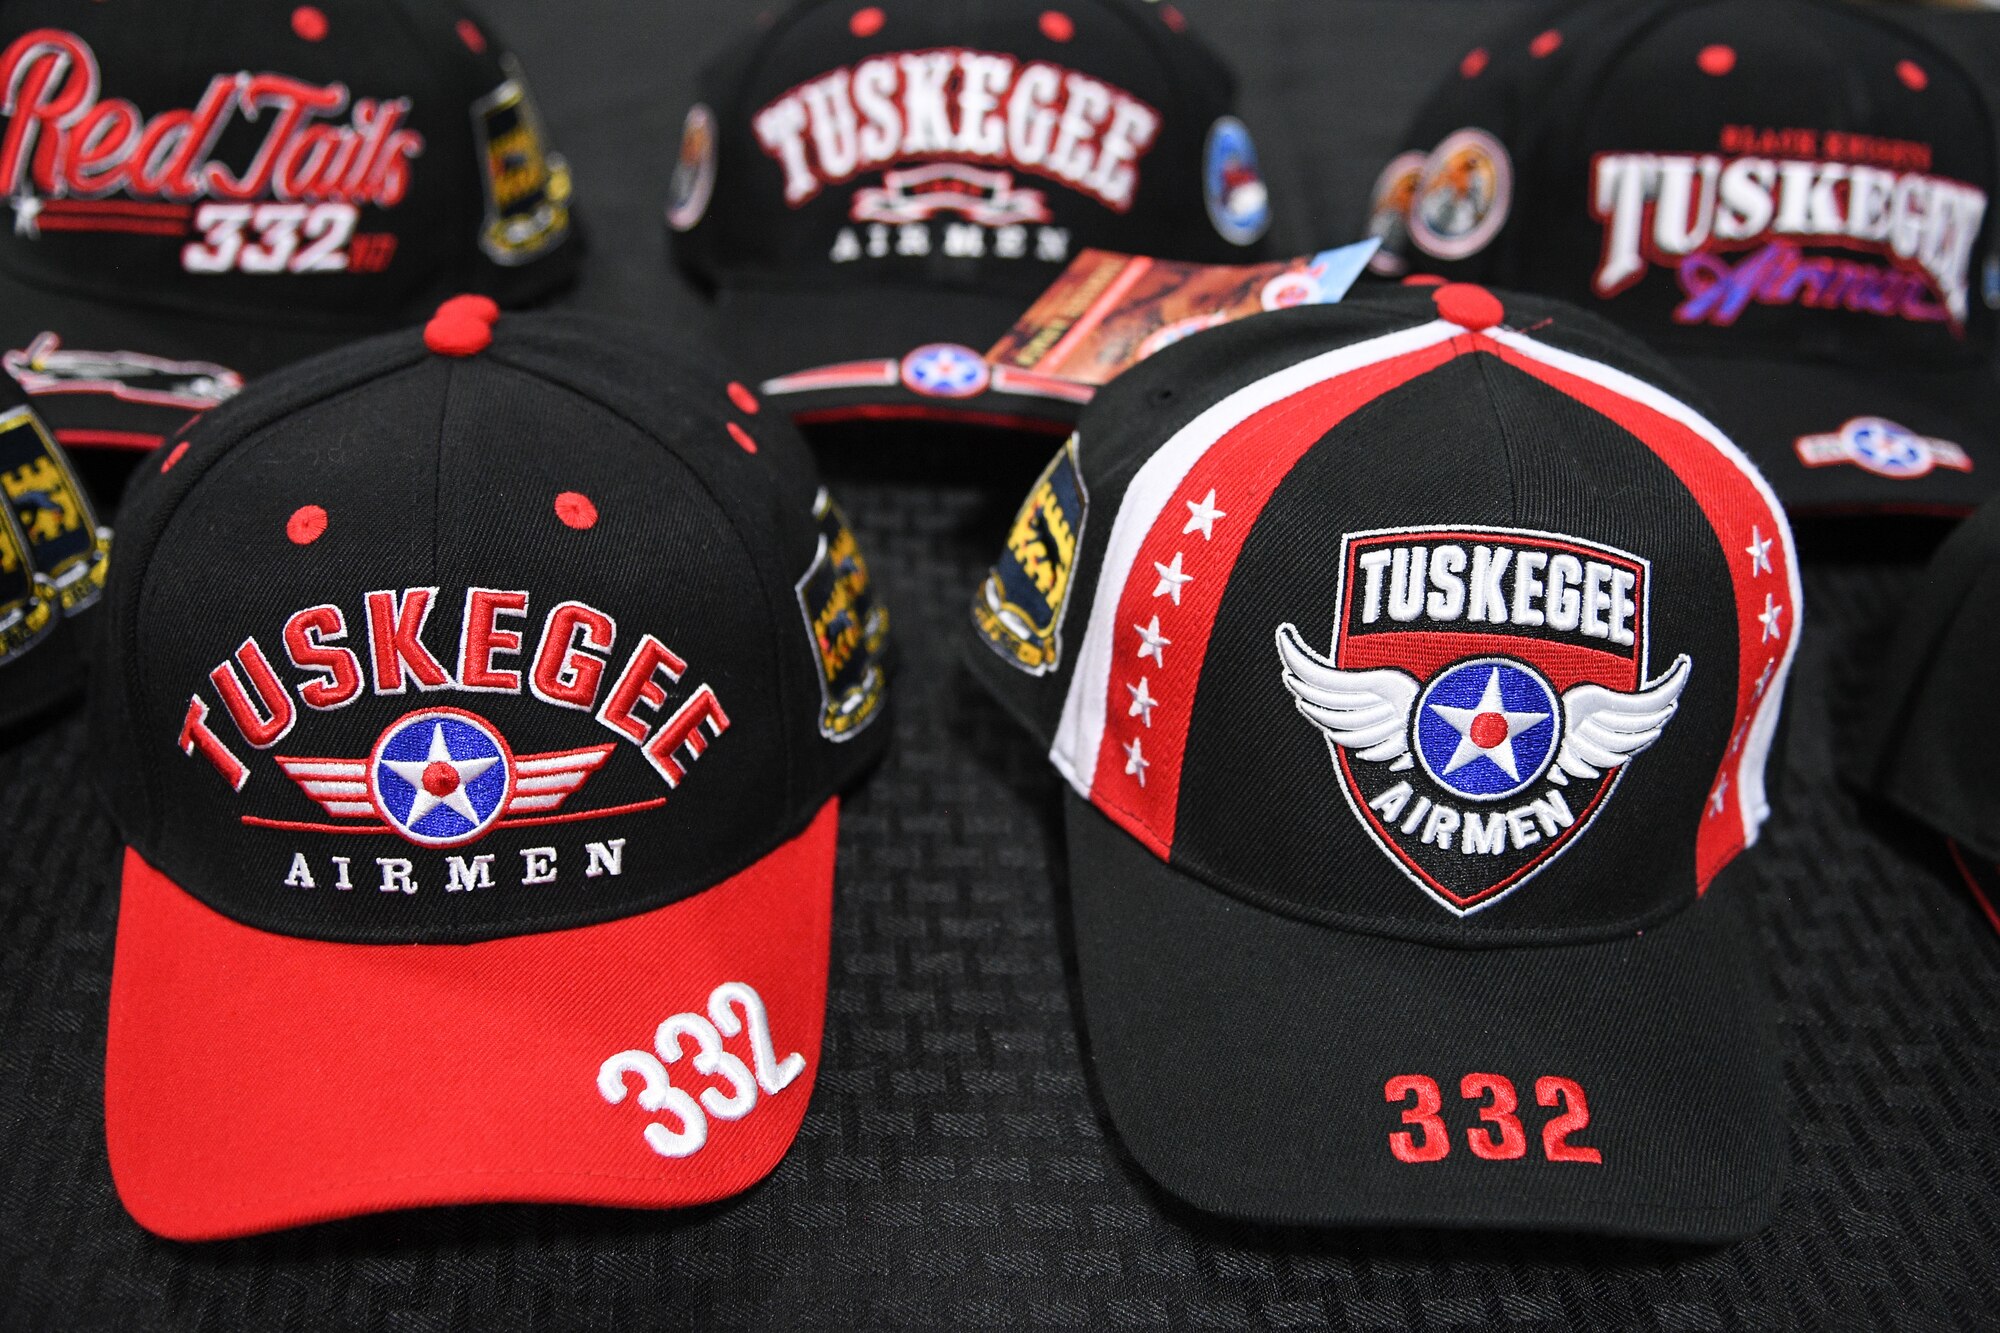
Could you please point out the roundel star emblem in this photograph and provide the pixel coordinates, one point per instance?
(1486, 728)
(441, 776)
(945, 370)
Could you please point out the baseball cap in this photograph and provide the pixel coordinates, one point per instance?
(877, 191)
(479, 794)
(197, 193)
(1413, 665)
(1790, 199)
(1921, 743)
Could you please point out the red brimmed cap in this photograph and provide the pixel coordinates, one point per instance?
(480, 795)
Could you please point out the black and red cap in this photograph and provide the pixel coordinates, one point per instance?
(1791, 199)
(877, 191)
(1924, 739)
(1413, 664)
(195, 194)
(474, 709)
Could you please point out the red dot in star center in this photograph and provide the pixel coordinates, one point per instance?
(1487, 730)
(440, 778)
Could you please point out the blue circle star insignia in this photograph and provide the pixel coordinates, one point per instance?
(945, 370)
(1485, 727)
(441, 777)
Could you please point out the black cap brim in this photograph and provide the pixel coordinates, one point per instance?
(137, 415)
(1244, 1058)
(1767, 406)
(778, 334)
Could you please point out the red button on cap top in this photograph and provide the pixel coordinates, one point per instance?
(1468, 306)
(462, 325)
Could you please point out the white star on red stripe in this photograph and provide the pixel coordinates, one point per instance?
(1142, 702)
(1772, 618)
(1152, 641)
(1202, 515)
(1135, 762)
(1171, 579)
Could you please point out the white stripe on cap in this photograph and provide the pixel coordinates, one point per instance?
(1753, 804)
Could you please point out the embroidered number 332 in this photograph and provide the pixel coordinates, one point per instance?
(1499, 1137)
(657, 1092)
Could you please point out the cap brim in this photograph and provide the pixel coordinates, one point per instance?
(1247, 1061)
(124, 378)
(846, 355)
(255, 1081)
(1768, 406)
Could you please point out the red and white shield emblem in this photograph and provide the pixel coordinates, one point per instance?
(1484, 690)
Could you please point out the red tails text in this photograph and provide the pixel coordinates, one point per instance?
(960, 104)
(67, 140)
(384, 653)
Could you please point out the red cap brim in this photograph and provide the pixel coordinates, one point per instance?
(255, 1081)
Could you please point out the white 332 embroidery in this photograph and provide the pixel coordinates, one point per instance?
(658, 1093)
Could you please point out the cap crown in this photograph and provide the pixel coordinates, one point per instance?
(959, 144)
(345, 163)
(1473, 637)
(1785, 177)
(393, 615)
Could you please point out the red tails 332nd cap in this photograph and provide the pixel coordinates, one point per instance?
(194, 194)
(475, 721)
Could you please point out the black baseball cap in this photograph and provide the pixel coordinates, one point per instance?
(1790, 199)
(877, 191)
(474, 709)
(1922, 742)
(197, 193)
(1413, 664)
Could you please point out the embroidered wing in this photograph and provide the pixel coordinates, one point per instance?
(1365, 711)
(1603, 728)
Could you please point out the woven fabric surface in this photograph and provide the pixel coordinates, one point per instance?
(955, 1169)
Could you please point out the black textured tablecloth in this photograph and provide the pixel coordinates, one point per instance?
(955, 1169)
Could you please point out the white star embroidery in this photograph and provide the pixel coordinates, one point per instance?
(27, 215)
(1135, 762)
(1171, 579)
(1759, 551)
(1499, 748)
(1142, 702)
(1202, 515)
(421, 774)
(1152, 641)
(1764, 677)
(1772, 618)
(1715, 797)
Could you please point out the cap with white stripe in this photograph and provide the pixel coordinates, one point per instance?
(1427, 652)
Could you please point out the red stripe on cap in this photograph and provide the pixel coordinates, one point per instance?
(1741, 516)
(1243, 468)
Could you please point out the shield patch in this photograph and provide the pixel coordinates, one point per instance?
(1483, 693)
(64, 537)
(849, 628)
(1019, 608)
(527, 186)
